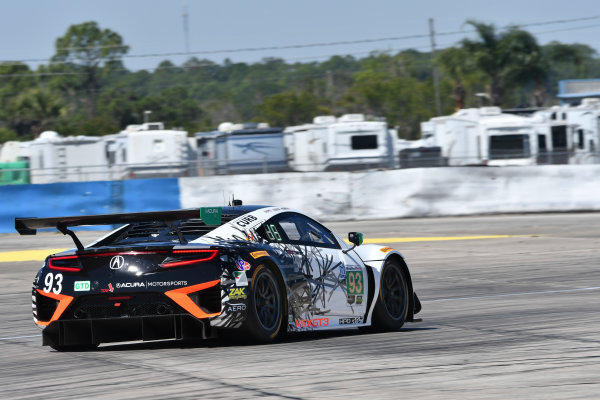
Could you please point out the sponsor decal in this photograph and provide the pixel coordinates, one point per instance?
(166, 283)
(235, 307)
(211, 215)
(385, 249)
(358, 299)
(354, 282)
(312, 323)
(342, 271)
(243, 265)
(81, 286)
(351, 321)
(117, 262)
(237, 293)
(130, 285)
(240, 278)
(351, 299)
(134, 285)
(246, 220)
(257, 254)
(110, 289)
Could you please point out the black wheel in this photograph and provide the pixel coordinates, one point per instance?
(265, 314)
(391, 308)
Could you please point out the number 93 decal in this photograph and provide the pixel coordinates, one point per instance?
(53, 283)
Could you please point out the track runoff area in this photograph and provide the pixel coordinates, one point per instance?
(510, 310)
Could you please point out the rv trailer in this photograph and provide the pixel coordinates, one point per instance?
(148, 151)
(349, 142)
(240, 148)
(482, 136)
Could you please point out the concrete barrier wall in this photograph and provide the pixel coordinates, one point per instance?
(421, 192)
(80, 198)
(331, 196)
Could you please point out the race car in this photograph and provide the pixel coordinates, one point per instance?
(188, 274)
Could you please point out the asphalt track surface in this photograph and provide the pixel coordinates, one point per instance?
(514, 315)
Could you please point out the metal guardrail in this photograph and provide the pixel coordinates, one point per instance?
(415, 158)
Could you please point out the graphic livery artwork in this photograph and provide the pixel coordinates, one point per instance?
(190, 273)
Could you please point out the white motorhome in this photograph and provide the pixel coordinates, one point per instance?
(241, 148)
(555, 136)
(347, 142)
(577, 127)
(53, 158)
(13, 150)
(482, 136)
(148, 151)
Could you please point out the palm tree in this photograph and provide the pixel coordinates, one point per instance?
(510, 58)
(454, 62)
(35, 108)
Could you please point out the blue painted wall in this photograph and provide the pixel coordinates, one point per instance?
(83, 198)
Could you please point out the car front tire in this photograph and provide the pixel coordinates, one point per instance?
(391, 308)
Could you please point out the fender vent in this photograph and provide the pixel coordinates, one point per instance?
(45, 307)
(208, 299)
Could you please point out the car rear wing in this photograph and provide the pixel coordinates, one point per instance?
(29, 226)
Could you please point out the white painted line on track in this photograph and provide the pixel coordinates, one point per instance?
(19, 337)
(514, 294)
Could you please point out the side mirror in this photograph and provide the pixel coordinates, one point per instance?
(356, 238)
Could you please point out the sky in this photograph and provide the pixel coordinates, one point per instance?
(154, 28)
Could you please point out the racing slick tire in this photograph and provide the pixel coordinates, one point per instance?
(391, 308)
(266, 306)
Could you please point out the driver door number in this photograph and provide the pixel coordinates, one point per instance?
(354, 282)
(272, 233)
(53, 283)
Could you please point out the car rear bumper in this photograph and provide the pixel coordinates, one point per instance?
(93, 331)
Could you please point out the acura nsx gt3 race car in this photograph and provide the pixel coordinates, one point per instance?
(188, 273)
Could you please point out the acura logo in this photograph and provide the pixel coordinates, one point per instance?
(117, 262)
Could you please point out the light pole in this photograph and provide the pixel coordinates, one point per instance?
(147, 116)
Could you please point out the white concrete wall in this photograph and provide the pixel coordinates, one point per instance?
(420, 192)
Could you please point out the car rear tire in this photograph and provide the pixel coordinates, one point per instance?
(266, 306)
(391, 308)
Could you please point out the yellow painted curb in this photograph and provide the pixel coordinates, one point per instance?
(438, 238)
(28, 255)
(41, 254)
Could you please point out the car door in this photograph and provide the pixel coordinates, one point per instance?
(334, 290)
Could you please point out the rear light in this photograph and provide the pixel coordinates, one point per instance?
(198, 257)
(65, 263)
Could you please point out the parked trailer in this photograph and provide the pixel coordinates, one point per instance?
(555, 137)
(345, 143)
(148, 151)
(53, 158)
(241, 148)
(575, 131)
(482, 136)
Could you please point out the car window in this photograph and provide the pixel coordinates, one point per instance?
(290, 229)
(297, 229)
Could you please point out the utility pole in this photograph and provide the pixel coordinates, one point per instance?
(436, 78)
(329, 87)
(186, 31)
